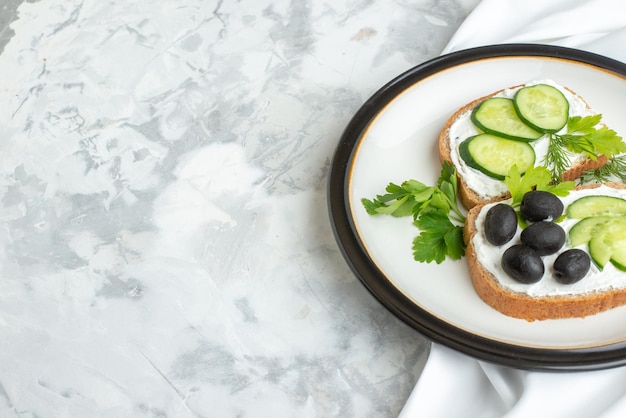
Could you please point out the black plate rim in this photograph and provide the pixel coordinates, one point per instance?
(388, 295)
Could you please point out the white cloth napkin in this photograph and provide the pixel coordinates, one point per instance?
(455, 385)
(594, 25)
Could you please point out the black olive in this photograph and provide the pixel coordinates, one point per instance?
(500, 224)
(544, 237)
(539, 205)
(523, 264)
(571, 266)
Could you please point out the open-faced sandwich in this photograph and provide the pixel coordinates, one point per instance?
(541, 176)
(566, 258)
(527, 125)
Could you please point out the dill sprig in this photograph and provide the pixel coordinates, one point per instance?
(557, 158)
(583, 136)
(614, 169)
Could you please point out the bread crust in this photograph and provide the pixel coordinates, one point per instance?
(532, 308)
(468, 196)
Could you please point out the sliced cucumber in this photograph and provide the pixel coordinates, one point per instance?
(543, 107)
(606, 236)
(603, 227)
(596, 206)
(584, 230)
(494, 155)
(497, 116)
(618, 257)
(610, 245)
(600, 251)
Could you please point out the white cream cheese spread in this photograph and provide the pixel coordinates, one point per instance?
(490, 257)
(463, 128)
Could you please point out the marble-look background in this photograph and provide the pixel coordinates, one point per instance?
(165, 248)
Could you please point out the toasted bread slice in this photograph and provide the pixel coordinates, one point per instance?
(568, 304)
(471, 197)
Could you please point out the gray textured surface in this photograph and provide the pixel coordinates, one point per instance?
(164, 239)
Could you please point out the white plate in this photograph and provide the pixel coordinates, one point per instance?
(393, 138)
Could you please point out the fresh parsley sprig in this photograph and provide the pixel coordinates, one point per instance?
(535, 178)
(439, 238)
(435, 213)
(583, 136)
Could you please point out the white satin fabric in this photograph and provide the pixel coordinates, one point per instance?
(455, 385)
(594, 25)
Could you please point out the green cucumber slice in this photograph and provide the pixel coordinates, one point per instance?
(497, 116)
(618, 258)
(587, 228)
(600, 251)
(494, 155)
(610, 245)
(543, 107)
(596, 206)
